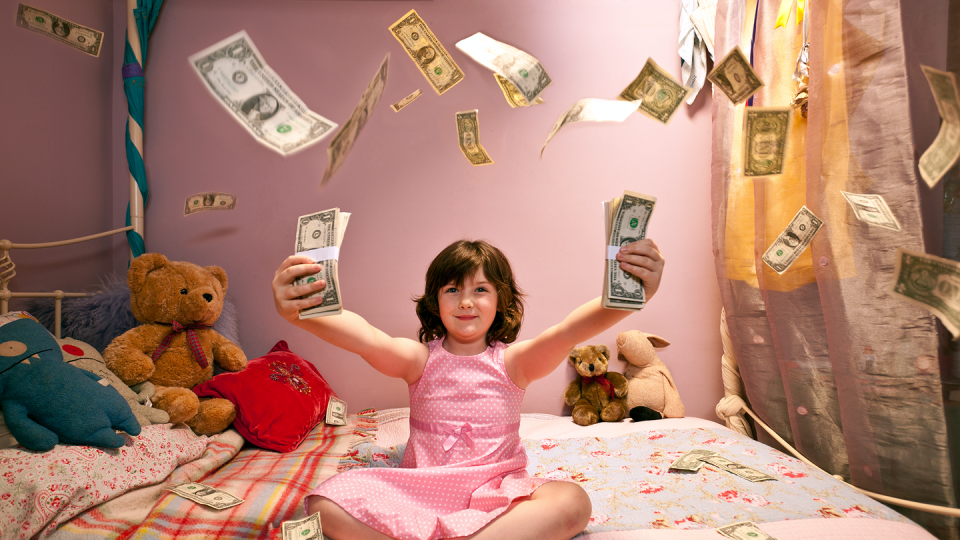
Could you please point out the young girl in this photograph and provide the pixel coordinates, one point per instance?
(463, 472)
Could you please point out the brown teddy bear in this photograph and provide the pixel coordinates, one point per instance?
(596, 394)
(652, 393)
(175, 347)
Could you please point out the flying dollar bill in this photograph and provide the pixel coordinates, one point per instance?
(75, 35)
(468, 136)
(765, 136)
(319, 237)
(209, 200)
(512, 95)
(691, 460)
(733, 467)
(336, 412)
(626, 222)
(406, 101)
(744, 530)
(735, 77)
(307, 528)
(343, 141)
(425, 50)
(205, 495)
(235, 73)
(942, 155)
(793, 240)
(523, 71)
(872, 209)
(592, 110)
(661, 95)
(930, 282)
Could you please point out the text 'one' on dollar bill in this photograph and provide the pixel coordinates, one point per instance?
(765, 136)
(468, 136)
(930, 282)
(423, 47)
(735, 77)
(661, 95)
(793, 240)
(69, 33)
(209, 200)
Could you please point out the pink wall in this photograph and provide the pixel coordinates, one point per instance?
(408, 186)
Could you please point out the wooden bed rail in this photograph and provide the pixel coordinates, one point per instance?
(8, 271)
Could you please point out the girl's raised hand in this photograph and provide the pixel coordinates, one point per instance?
(286, 295)
(644, 260)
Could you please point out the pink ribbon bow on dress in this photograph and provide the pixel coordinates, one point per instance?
(454, 434)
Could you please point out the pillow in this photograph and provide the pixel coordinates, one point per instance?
(279, 398)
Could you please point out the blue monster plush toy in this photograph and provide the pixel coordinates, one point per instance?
(46, 401)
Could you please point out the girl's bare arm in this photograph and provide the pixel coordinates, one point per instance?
(395, 357)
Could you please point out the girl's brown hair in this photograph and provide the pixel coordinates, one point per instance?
(455, 263)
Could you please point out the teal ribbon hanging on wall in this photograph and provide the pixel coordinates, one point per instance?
(145, 16)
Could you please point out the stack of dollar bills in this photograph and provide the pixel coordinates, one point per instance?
(693, 460)
(625, 222)
(319, 236)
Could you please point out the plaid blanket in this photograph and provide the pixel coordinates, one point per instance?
(271, 484)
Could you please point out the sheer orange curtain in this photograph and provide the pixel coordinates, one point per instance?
(839, 367)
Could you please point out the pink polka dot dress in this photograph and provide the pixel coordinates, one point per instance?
(464, 462)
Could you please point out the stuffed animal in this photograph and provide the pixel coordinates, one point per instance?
(596, 394)
(47, 401)
(652, 393)
(85, 357)
(175, 348)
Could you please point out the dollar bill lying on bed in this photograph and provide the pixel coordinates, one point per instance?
(336, 412)
(205, 495)
(744, 530)
(307, 528)
(319, 236)
(625, 222)
(693, 460)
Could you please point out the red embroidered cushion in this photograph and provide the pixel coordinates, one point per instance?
(279, 398)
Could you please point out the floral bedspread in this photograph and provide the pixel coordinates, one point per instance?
(631, 487)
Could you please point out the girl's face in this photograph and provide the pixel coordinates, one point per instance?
(467, 313)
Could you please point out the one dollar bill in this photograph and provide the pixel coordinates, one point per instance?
(343, 141)
(592, 110)
(930, 282)
(765, 134)
(872, 209)
(733, 467)
(512, 94)
(406, 101)
(425, 50)
(522, 71)
(75, 35)
(661, 95)
(307, 528)
(691, 461)
(209, 200)
(205, 495)
(735, 77)
(626, 222)
(336, 412)
(235, 74)
(744, 530)
(319, 236)
(793, 240)
(468, 136)
(942, 155)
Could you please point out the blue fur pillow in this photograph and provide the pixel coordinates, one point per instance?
(100, 318)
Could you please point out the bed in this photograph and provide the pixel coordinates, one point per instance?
(80, 492)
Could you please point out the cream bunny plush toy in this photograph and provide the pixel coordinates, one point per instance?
(651, 392)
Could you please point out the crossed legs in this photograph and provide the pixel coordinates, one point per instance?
(555, 511)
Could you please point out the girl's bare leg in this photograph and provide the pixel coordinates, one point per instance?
(555, 511)
(338, 524)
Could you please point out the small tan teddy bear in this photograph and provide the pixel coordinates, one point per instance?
(175, 347)
(652, 394)
(596, 394)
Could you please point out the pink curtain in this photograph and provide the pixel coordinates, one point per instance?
(837, 365)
